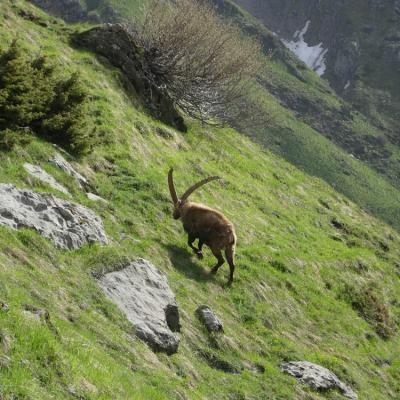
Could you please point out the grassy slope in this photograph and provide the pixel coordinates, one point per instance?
(292, 265)
(126, 8)
(304, 141)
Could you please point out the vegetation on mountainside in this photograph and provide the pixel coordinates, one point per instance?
(299, 244)
(319, 132)
(205, 65)
(35, 99)
(304, 122)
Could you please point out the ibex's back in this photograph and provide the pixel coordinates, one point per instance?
(209, 225)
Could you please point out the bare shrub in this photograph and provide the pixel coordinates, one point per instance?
(204, 64)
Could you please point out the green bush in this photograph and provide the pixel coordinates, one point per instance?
(10, 138)
(369, 306)
(33, 96)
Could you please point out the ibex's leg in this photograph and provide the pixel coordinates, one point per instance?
(230, 254)
(200, 251)
(191, 239)
(218, 255)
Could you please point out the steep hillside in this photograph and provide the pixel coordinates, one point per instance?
(317, 278)
(355, 45)
(308, 124)
(317, 111)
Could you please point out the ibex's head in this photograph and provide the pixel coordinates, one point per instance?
(180, 202)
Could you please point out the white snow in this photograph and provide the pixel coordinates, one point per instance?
(313, 56)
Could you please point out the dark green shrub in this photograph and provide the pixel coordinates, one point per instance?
(33, 96)
(10, 138)
(369, 306)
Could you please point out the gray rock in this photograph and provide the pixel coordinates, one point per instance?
(143, 295)
(94, 197)
(39, 173)
(317, 377)
(59, 161)
(209, 319)
(67, 224)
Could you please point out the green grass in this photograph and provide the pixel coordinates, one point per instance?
(292, 264)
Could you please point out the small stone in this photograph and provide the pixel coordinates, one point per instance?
(209, 319)
(317, 377)
(94, 197)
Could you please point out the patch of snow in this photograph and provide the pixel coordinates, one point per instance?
(313, 56)
(347, 85)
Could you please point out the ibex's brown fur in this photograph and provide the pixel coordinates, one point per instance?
(206, 224)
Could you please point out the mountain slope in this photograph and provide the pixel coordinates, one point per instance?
(361, 48)
(305, 253)
(314, 111)
(303, 112)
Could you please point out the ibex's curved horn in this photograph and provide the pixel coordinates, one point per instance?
(197, 185)
(171, 186)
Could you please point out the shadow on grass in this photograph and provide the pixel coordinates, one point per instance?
(182, 260)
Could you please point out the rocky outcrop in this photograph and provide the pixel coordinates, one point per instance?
(143, 295)
(76, 11)
(317, 377)
(67, 224)
(59, 161)
(209, 319)
(39, 173)
(116, 43)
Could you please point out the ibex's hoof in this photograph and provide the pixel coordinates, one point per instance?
(199, 255)
(213, 271)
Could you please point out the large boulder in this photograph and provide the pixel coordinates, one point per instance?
(317, 377)
(67, 224)
(116, 42)
(143, 295)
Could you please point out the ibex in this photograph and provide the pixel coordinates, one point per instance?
(209, 226)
